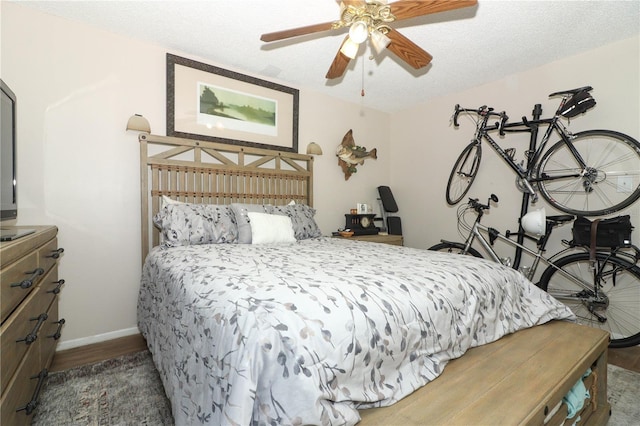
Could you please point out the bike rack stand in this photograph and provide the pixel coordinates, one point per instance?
(524, 207)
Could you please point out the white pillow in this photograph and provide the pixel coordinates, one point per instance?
(270, 228)
(242, 220)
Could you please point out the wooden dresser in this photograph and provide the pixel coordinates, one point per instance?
(30, 324)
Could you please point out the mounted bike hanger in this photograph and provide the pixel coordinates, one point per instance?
(533, 126)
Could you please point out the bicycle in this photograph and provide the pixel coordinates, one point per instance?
(589, 173)
(604, 294)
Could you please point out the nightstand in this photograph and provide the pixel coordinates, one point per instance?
(395, 240)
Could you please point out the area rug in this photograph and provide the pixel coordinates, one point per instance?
(624, 394)
(128, 391)
(120, 391)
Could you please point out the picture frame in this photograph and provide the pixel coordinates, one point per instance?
(206, 102)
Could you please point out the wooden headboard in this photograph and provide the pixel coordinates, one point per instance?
(213, 173)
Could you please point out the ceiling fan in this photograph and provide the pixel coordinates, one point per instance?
(372, 19)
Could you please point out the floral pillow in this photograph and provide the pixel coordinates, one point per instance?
(192, 224)
(164, 200)
(302, 218)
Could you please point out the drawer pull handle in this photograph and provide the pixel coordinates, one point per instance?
(33, 404)
(57, 289)
(56, 253)
(29, 281)
(31, 337)
(57, 334)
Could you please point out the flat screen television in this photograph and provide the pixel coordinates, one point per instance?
(8, 194)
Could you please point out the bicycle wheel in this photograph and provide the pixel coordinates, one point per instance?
(610, 182)
(455, 248)
(463, 173)
(614, 309)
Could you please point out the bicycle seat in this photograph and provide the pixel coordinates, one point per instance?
(572, 91)
(559, 219)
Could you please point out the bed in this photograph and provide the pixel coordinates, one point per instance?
(253, 317)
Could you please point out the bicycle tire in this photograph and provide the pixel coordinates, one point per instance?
(622, 297)
(463, 173)
(611, 181)
(455, 248)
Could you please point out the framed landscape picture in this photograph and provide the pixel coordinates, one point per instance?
(210, 103)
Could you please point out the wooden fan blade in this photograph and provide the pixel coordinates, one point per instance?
(295, 32)
(339, 64)
(405, 9)
(407, 50)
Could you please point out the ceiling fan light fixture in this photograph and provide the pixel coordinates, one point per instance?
(365, 18)
(379, 41)
(349, 48)
(358, 32)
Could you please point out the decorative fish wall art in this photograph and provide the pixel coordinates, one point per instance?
(350, 155)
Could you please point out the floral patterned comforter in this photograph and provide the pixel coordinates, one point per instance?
(309, 332)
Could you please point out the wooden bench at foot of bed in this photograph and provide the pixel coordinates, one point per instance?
(519, 379)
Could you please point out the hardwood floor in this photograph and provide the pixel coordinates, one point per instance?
(97, 352)
(628, 358)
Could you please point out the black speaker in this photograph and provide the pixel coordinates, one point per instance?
(394, 225)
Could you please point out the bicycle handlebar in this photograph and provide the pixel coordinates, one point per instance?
(479, 207)
(483, 111)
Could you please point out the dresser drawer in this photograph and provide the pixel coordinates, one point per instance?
(20, 277)
(49, 335)
(20, 333)
(48, 254)
(17, 281)
(10, 251)
(50, 287)
(20, 391)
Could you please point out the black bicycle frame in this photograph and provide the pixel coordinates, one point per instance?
(483, 133)
(532, 160)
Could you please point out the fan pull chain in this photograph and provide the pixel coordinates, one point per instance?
(362, 91)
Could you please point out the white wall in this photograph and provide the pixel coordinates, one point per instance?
(78, 167)
(325, 121)
(425, 145)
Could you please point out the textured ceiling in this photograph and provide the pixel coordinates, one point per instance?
(470, 46)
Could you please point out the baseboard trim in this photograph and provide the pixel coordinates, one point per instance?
(97, 352)
(84, 341)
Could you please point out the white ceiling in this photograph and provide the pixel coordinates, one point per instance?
(470, 46)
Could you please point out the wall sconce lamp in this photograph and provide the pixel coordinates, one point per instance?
(314, 149)
(139, 123)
